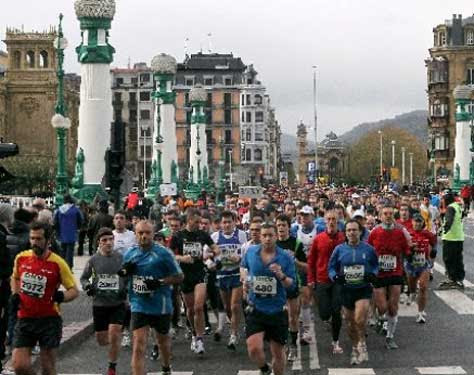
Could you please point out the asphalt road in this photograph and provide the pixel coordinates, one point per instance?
(442, 346)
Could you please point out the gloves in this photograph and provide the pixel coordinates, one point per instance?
(127, 269)
(14, 303)
(58, 296)
(153, 284)
(370, 278)
(433, 253)
(90, 290)
(340, 279)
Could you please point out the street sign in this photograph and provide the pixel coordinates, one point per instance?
(252, 192)
(395, 174)
(168, 189)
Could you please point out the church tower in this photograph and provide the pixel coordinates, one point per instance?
(301, 144)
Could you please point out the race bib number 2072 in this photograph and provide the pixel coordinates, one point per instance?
(33, 285)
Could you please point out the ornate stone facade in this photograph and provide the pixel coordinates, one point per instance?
(28, 96)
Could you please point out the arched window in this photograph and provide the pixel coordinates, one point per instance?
(30, 59)
(257, 154)
(17, 60)
(258, 99)
(44, 61)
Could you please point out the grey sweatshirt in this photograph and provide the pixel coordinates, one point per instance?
(101, 272)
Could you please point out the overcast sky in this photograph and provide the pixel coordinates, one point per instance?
(369, 53)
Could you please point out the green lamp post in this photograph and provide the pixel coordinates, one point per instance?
(59, 121)
(221, 182)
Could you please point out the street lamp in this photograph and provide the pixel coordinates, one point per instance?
(316, 164)
(59, 121)
(403, 165)
(381, 152)
(393, 154)
(411, 167)
(220, 185)
(230, 169)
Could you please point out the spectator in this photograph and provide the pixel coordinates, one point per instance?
(67, 221)
(19, 237)
(83, 206)
(100, 220)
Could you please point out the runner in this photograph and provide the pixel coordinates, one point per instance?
(390, 245)
(354, 265)
(35, 299)
(417, 265)
(188, 244)
(230, 241)
(294, 248)
(328, 293)
(101, 282)
(150, 269)
(268, 272)
(124, 239)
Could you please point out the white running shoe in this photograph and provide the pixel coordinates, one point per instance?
(354, 357)
(292, 353)
(193, 344)
(126, 342)
(232, 342)
(363, 353)
(421, 318)
(172, 333)
(306, 338)
(336, 349)
(36, 350)
(199, 349)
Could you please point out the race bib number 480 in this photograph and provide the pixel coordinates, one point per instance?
(192, 248)
(108, 282)
(33, 285)
(354, 274)
(264, 286)
(387, 262)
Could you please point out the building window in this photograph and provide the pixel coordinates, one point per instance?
(259, 116)
(470, 37)
(248, 116)
(435, 42)
(145, 131)
(145, 114)
(249, 100)
(144, 78)
(189, 81)
(470, 76)
(442, 38)
(209, 100)
(248, 154)
(227, 99)
(119, 81)
(208, 137)
(208, 117)
(208, 81)
(228, 81)
(144, 96)
(228, 117)
(186, 99)
(243, 99)
(441, 143)
(118, 115)
(134, 80)
(132, 97)
(258, 137)
(132, 116)
(257, 155)
(228, 137)
(243, 117)
(44, 61)
(117, 97)
(188, 137)
(258, 99)
(17, 60)
(248, 134)
(30, 59)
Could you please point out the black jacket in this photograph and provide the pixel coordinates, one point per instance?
(6, 262)
(18, 239)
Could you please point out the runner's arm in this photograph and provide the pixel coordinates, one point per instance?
(86, 275)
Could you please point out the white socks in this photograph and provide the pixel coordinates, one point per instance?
(221, 321)
(391, 325)
(306, 316)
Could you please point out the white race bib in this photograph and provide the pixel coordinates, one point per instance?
(264, 285)
(108, 282)
(354, 274)
(33, 285)
(228, 251)
(387, 262)
(139, 286)
(419, 259)
(192, 248)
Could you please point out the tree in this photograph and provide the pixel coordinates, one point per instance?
(364, 156)
(32, 174)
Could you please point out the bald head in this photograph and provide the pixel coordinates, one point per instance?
(144, 234)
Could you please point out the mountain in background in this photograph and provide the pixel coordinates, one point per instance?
(414, 122)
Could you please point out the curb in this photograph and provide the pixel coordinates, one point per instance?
(73, 335)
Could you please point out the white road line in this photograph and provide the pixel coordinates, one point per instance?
(297, 364)
(440, 268)
(407, 311)
(468, 236)
(313, 349)
(442, 370)
(174, 373)
(249, 372)
(351, 371)
(457, 301)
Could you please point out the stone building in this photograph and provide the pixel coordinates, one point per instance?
(332, 158)
(28, 93)
(451, 63)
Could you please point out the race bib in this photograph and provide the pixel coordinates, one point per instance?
(192, 248)
(228, 251)
(33, 285)
(139, 286)
(264, 286)
(108, 282)
(387, 262)
(354, 274)
(419, 259)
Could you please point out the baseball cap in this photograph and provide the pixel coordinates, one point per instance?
(307, 210)
(358, 213)
(355, 195)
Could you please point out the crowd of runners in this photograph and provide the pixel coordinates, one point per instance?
(270, 263)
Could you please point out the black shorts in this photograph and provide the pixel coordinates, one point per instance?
(47, 332)
(275, 326)
(293, 293)
(160, 323)
(105, 315)
(383, 282)
(191, 280)
(350, 296)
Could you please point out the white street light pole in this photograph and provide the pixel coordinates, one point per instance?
(230, 169)
(411, 167)
(316, 164)
(381, 153)
(393, 154)
(403, 165)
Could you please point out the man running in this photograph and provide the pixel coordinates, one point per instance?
(230, 241)
(391, 245)
(100, 281)
(123, 239)
(268, 272)
(151, 270)
(328, 293)
(35, 299)
(189, 244)
(354, 265)
(294, 248)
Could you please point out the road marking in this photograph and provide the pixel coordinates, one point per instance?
(457, 300)
(249, 372)
(313, 349)
(442, 370)
(438, 267)
(173, 372)
(468, 236)
(351, 371)
(297, 364)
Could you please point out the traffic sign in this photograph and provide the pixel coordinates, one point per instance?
(168, 189)
(252, 192)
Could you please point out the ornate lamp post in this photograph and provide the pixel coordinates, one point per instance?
(60, 123)
(221, 184)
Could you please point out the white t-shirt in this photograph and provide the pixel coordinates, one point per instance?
(124, 241)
